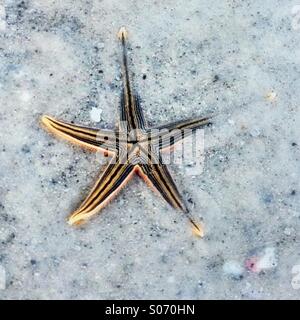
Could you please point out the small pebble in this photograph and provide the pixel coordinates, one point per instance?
(288, 231)
(95, 114)
(233, 269)
(255, 132)
(265, 260)
(271, 96)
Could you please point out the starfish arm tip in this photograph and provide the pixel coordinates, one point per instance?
(198, 230)
(122, 33)
(45, 119)
(70, 221)
(47, 122)
(75, 219)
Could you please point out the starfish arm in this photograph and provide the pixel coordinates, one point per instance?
(113, 178)
(131, 112)
(158, 176)
(174, 132)
(186, 124)
(139, 112)
(98, 140)
(131, 116)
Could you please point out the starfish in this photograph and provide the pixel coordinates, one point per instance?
(133, 147)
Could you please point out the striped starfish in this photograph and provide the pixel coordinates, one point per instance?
(133, 148)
